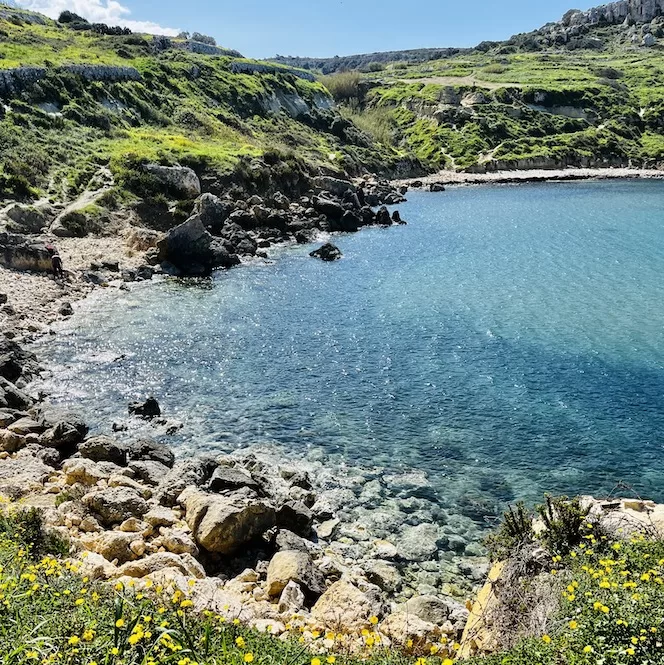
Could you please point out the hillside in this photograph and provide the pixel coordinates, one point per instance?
(586, 91)
(75, 101)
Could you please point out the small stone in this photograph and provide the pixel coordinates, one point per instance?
(291, 600)
(294, 566)
(66, 309)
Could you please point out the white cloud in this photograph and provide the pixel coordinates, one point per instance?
(110, 12)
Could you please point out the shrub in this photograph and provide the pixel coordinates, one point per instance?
(343, 87)
(204, 39)
(70, 17)
(565, 524)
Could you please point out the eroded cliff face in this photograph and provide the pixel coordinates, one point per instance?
(640, 11)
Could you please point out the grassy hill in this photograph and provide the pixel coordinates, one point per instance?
(508, 106)
(136, 99)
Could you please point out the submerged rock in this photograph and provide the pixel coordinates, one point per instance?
(148, 409)
(327, 252)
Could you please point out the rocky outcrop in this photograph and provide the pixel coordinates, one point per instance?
(224, 525)
(257, 68)
(179, 179)
(21, 253)
(328, 252)
(189, 250)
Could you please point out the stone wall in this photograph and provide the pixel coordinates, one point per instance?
(256, 68)
(14, 80)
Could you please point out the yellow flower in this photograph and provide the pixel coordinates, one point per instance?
(421, 661)
(120, 623)
(88, 635)
(331, 660)
(448, 661)
(588, 649)
(248, 657)
(315, 661)
(79, 602)
(134, 639)
(73, 640)
(630, 651)
(573, 625)
(240, 642)
(186, 603)
(546, 639)
(373, 621)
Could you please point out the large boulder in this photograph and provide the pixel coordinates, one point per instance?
(20, 253)
(334, 186)
(179, 179)
(225, 478)
(13, 398)
(103, 449)
(294, 566)
(115, 545)
(186, 564)
(65, 433)
(147, 450)
(116, 504)
(429, 608)
(403, 628)
(186, 473)
(22, 218)
(331, 209)
(224, 525)
(193, 251)
(213, 212)
(344, 604)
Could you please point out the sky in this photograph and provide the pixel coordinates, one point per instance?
(264, 28)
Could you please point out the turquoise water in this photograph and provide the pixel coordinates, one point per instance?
(508, 342)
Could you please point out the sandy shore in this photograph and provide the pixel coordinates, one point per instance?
(535, 175)
(35, 300)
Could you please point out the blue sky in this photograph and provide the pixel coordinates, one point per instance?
(263, 28)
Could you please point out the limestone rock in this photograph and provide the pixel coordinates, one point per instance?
(185, 564)
(224, 525)
(20, 253)
(428, 608)
(103, 449)
(149, 472)
(112, 545)
(116, 504)
(383, 575)
(419, 543)
(295, 517)
(160, 516)
(344, 604)
(231, 479)
(84, 471)
(402, 627)
(145, 450)
(180, 179)
(291, 600)
(13, 398)
(294, 566)
(178, 542)
(186, 473)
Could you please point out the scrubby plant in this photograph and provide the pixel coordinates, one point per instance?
(565, 524)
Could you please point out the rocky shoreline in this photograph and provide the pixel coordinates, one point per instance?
(445, 178)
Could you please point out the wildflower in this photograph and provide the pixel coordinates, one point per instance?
(373, 621)
(331, 660)
(588, 649)
(186, 603)
(120, 623)
(421, 661)
(73, 641)
(315, 661)
(88, 635)
(79, 602)
(240, 642)
(249, 658)
(573, 625)
(630, 651)
(448, 661)
(546, 639)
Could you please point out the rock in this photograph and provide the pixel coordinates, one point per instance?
(383, 217)
(419, 543)
(403, 628)
(326, 529)
(26, 425)
(185, 564)
(179, 179)
(225, 478)
(344, 604)
(148, 409)
(291, 600)
(178, 542)
(145, 450)
(20, 253)
(193, 251)
(160, 516)
(23, 474)
(84, 471)
(66, 433)
(134, 525)
(23, 218)
(294, 566)
(116, 504)
(66, 309)
(149, 472)
(224, 525)
(287, 540)
(396, 218)
(295, 517)
(328, 252)
(103, 449)
(213, 212)
(334, 186)
(112, 545)
(192, 472)
(649, 40)
(13, 398)
(331, 209)
(428, 608)
(3, 298)
(383, 575)
(436, 187)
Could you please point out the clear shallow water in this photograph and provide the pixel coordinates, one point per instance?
(508, 341)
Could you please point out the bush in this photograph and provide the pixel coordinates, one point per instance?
(343, 87)
(70, 17)
(204, 39)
